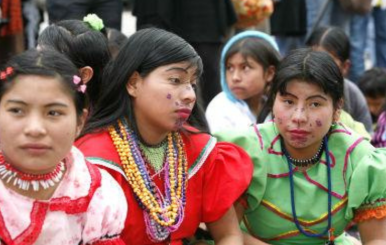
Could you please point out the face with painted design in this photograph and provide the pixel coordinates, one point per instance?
(303, 116)
(163, 100)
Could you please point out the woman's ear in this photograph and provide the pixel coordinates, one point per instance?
(86, 74)
(132, 84)
(270, 73)
(346, 68)
(337, 111)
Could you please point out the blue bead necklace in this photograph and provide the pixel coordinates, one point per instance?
(328, 230)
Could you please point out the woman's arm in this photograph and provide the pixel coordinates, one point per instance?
(373, 231)
(248, 239)
(226, 231)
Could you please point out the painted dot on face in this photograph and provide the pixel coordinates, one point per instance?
(302, 109)
(318, 123)
(177, 104)
(168, 96)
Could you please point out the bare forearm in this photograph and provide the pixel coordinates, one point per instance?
(250, 240)
(230, 240)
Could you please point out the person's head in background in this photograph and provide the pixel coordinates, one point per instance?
(115, 39)
(153, 76)
(373, 85)
(85, 44)
(248, 65)
(334, 41)
(42, 105)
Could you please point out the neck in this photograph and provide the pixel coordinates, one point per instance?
(254, 104)
(151, 136)
(302, 153)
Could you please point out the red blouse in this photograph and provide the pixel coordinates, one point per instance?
(218, 174)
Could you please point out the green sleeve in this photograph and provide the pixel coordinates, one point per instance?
(367, 184)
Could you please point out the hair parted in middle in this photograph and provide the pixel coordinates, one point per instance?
(143, 52)
(315, 67)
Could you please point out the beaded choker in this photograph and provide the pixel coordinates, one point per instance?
(304, 162)
(25, 181)
(163, 212)
(155, 156)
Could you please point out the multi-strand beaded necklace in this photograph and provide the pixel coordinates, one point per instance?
(163, 213)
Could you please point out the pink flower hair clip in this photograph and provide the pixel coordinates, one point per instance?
(81, 87)
(8, 71)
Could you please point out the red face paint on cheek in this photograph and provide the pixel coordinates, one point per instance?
(168, 96)
(318, 123)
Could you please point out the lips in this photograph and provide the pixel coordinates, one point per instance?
(237, 89)
(299, 132)
(184, 113)
(35, 148)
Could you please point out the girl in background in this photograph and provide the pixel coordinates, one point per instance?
(49, 194)
(248, 64)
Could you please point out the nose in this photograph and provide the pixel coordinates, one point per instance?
(188, 94)
(236, 76)
(35, 126)
(300, 115)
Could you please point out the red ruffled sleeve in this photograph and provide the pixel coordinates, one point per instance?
(228, 172)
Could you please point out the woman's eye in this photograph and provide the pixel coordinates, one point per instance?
(314, 104)
(229, 68)
(17, 111)
(54, 113)
(288, 102)
(175, 80)
(246, 68)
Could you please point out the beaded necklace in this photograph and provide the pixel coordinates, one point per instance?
(163, 214)
(328, 231)
(154, 155)
(305, 162)
(25, 181)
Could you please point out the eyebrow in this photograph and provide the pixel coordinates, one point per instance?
(25, 104)
(309, 97)
(177, 69)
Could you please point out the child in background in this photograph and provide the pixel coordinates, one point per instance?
(49, 194)
(373, 85)
(248, 64)
(85, 44)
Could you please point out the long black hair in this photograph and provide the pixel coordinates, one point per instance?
(333, 39)
(83, 45)
(144, 51)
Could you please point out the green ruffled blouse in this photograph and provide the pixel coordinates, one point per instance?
(358, 172)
